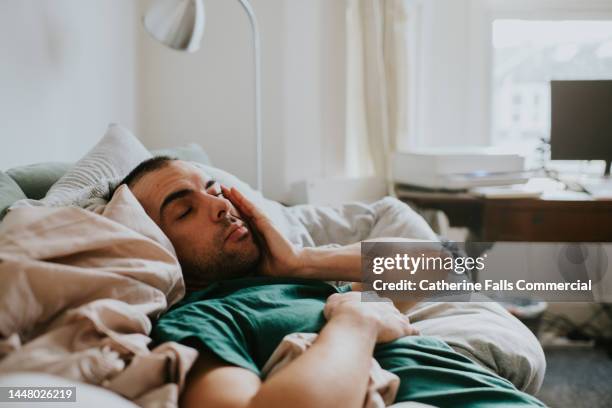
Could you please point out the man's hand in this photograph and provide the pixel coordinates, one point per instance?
(387, 321)
(279, 256)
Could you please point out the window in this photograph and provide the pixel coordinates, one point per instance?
(527, 54)
(482, 67)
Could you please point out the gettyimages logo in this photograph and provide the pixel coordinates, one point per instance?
(556, 272)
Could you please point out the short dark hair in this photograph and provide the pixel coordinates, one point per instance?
(147, 166)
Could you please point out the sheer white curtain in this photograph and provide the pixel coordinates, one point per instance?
(378, 75)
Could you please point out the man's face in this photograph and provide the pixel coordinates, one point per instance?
(211, 240)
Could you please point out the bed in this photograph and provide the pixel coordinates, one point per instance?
(62, 228)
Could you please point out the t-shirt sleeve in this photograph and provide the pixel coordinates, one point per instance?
(211, 328)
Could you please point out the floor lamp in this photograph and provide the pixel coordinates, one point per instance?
(179, 24)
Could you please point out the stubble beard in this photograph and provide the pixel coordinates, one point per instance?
(217, 265)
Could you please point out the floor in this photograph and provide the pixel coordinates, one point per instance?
(577, 378)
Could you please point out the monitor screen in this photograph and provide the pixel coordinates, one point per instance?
(581, 120)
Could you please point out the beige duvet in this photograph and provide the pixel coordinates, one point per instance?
(78, 292)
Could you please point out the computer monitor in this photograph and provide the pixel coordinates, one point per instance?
(581, 120)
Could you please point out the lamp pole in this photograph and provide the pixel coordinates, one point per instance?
(248, 8)
(179, 24)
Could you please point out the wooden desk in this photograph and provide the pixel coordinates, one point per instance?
(519, 219)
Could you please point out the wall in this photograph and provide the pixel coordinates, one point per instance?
(71, 66)
(207, 97)
(451, 110)
(67, 70)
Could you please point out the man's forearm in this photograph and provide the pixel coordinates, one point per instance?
(333, 372)
(340, 263)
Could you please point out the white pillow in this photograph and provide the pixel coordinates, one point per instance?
(88, 183)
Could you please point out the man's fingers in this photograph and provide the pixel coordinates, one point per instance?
(332, 302)
(412, 331)
(409, 328)
(231, 195)
(246, 205)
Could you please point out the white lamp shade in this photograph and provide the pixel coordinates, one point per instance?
(179, 24)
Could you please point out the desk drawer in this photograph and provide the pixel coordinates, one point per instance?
(503, 222)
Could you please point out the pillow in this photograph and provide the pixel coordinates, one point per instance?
(9, 193)
(88, 182)
(118, 152)
(36, 179)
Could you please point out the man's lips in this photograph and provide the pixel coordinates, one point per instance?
(236, 232)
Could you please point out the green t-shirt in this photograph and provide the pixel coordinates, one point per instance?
(242, 321)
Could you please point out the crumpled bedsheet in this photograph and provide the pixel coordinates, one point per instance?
(78, 292)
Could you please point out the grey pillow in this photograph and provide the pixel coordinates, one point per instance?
(112, 158)
(36, 179)
(88, 182)
(9, 193)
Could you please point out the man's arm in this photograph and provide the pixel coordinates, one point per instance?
(333, 372)
(282, 258)
(344, 263)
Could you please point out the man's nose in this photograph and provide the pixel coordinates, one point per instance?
(220, 208)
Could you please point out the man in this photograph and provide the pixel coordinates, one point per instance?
(248, 287)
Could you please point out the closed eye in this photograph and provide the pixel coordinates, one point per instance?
(185, 213)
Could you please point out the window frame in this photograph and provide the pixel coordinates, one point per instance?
(484, 13)
(451, 83)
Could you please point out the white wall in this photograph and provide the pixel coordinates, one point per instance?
(71, 66)
(67, 70)
(451, 100)
(207, 97)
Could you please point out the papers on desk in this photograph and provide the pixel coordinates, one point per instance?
(534, 188)
(599, 189)
(512, 191)
(566, 195)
